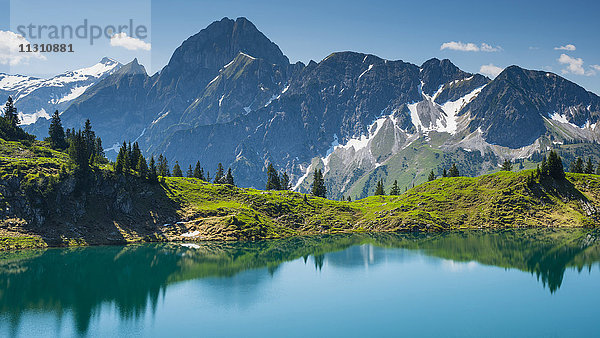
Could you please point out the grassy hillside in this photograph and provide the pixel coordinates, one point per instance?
(44, 203)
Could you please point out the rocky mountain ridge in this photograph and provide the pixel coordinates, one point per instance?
(230, 95)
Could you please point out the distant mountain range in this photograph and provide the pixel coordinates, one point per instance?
(39, 98)
(229, 94)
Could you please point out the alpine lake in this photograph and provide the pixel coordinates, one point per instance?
(514, 282)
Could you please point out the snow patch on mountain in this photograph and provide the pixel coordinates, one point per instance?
(75, 93)
(428, 116)
(363, 73)
(452, 108)
(25, 119)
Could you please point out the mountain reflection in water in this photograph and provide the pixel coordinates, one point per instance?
(132, 279)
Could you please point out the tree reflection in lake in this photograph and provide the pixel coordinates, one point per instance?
(131, 279)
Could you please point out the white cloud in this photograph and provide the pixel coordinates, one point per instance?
(490, 70)
(574, 65)
(9, 49)
(127, 42)
(469, 47)
(595, 67)
(566, 47)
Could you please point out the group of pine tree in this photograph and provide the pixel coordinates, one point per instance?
(130, 160)
(85, 150)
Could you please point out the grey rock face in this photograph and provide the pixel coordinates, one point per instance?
(511, 109)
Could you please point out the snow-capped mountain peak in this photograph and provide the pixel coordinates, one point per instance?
(37, 98)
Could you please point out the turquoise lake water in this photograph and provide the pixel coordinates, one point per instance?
(507, 283)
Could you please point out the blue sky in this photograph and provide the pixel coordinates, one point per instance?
(492, 34)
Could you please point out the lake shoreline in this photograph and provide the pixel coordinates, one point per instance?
(28, 242)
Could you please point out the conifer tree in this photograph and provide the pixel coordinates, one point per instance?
(555, 166)
(77, 152)
(229, 177)
(89, 137)
(431, 176)
(126, 157)
(163, 166)
(220, 174)
(284, 181)
(379, 188)
(445, 173)
(544, 167)
(507, 165)
(152, 173)
(198, 171)
(577, 166)
(207, 176)
(598, 169)
(272, 178)
(349, 199)
(395, 189)
(318, 186)
(589, 166)
(10, 113)
(453, 171)
(100, 156)
(177, 170)
(190, 172)
(121, 159)
(56, 133)
(135, 154)
(141, 166)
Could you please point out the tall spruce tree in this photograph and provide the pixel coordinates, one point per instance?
(152, 173)
(56, 133)
(163, 166)
(135, 154)
(141, 166)
(589, 166)
(284, 181)
(10, 113)
(544, 167)
(78, 153)
(506, 165)
(229, 177)
(395, 189)
(190, 172)
(220, 174)
(318, 186)
(121, 160)
(431, 176)
(198, 171)
(89, 137)
(577, 166)
(100, 156)
(379, 188)
(177, 170)
(555, 166)
(453, 171)
(272, 178)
